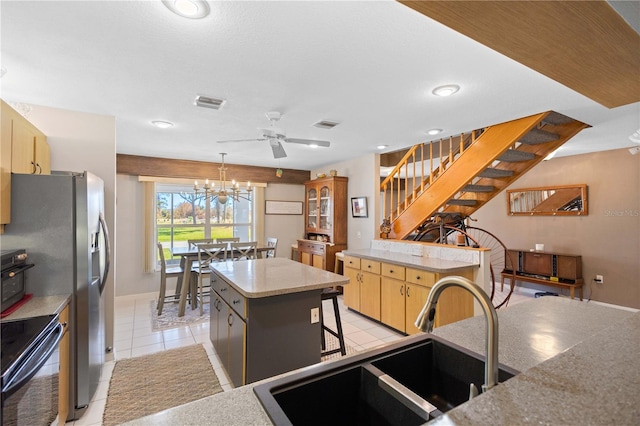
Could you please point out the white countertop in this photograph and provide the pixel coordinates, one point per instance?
(579, 363)
(256, 278)
(38, 306)
(420, 262)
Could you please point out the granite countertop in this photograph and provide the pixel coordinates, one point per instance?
(420, 262)
(257, 278)
(38, 306)
(578, 360)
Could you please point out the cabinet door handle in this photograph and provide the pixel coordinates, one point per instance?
(230, 320)
(39, 167)
(408, 295)
(401, 288)
(34, 168)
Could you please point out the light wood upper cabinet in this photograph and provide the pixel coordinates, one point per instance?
(23, 149)
(30, 153)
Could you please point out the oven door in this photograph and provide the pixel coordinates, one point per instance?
(30, 384)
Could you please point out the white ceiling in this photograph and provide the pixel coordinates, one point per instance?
(369, 65)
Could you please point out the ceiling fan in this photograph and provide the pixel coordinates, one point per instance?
(276, 136)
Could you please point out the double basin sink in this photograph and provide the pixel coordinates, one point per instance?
(408, 382)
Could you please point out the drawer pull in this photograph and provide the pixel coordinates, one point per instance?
(391, 271)
(223, 289)
(235, 301)
(418, 277)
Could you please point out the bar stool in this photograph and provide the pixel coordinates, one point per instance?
(330, 293)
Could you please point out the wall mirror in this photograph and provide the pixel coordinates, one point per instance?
(566, 200)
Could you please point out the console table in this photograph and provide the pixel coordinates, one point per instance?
(550, 269)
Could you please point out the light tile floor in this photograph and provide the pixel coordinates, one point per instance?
(133, 337)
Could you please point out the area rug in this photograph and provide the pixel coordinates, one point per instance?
(148, 384)
(170, 318)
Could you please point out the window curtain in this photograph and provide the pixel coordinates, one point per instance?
(149, 210)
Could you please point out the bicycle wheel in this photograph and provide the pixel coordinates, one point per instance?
(501, 265)
(499, 259)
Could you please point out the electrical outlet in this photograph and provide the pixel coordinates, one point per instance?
(599, 279)
(315, 315)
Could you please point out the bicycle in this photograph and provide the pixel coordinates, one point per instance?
(452, 228)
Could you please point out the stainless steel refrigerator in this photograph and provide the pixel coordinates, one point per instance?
(59, 220)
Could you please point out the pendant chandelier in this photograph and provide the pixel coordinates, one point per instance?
(223, 193)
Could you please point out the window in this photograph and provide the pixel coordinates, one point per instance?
(183, 215)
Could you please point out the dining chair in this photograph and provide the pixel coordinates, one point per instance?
(243, 250)
(193, 243)
(207, 254)
(228, 240)
(167, 272)
(271, 242)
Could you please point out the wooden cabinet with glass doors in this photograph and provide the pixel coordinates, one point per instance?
(325, 221)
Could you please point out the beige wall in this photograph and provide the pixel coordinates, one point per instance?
(608, 238)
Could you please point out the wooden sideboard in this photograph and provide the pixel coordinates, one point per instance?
(550, 269)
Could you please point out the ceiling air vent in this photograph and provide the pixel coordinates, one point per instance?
(208, 102)
(324, 124)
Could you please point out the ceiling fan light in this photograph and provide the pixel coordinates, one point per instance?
(446, 90)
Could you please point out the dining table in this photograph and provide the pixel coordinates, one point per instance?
(188, 256)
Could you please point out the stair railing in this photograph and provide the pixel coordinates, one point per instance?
(411, 177)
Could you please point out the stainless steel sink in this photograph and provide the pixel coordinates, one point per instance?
(404, 383)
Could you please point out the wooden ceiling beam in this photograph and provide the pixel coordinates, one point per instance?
(165, 167)
(584, 45)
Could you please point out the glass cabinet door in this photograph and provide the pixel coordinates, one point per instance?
(312, 213)
(325, 208)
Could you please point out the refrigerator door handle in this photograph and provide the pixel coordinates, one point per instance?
(107, 262)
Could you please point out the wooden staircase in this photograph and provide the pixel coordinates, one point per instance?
(460, 175)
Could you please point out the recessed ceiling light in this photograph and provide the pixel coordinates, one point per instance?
(162, 124)
(447, 90)
(382, 146)
(193, 9)
(434, 131)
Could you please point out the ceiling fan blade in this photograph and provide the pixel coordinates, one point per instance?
(278, 150)
(243, 140)
(308, 142)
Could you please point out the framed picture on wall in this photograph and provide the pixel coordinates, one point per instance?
(359, 207)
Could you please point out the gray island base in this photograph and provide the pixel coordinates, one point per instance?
(262, 322)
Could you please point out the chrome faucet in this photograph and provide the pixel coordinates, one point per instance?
(427, 317)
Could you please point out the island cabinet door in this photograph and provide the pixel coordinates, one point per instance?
(237, 330)
(416, 296)
(392, 303)
(218, 324)
(370, 295)
(351, 291)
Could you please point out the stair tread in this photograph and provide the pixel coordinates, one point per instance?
(492, 173)
(479, 188)
(537, 136)
(514, 156)
(555, 118)
(457, 202)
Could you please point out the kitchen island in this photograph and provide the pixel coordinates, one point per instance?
(578, 361)
(265, 316)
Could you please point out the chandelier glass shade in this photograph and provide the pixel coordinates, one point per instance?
(223, 193)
